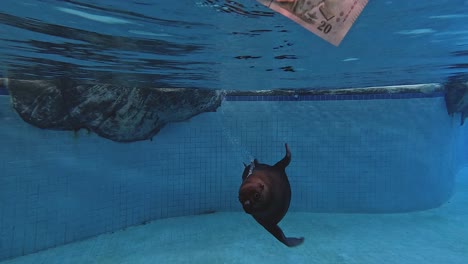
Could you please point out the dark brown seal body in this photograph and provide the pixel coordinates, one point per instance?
(265, 193)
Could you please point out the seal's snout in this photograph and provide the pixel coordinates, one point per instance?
(247, 205)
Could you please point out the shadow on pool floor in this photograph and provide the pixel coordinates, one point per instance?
(433, 236)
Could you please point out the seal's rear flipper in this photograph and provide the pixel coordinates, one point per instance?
(276, 231)
(294, 241)
(286, 160)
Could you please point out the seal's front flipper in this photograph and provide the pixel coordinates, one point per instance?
(276, 231)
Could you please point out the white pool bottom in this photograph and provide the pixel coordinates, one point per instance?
(434, 236)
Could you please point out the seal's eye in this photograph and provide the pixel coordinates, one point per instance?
(257, 196)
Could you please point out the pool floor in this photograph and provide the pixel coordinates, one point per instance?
(433, 236)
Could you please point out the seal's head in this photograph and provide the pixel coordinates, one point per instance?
(254, 196)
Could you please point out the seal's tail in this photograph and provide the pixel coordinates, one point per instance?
(286, 160)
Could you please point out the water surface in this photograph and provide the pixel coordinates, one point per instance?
(229, 44)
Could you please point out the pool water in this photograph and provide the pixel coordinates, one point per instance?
(221, 44)
(379, 169)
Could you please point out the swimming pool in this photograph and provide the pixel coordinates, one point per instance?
(365, 152)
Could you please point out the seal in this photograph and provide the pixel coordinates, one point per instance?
(265, 194)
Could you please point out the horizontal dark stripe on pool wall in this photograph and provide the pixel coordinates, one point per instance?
(331, 97)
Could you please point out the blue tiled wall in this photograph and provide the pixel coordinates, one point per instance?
(58, 187)
(462, 146)
(348, 156)
(355, 156)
